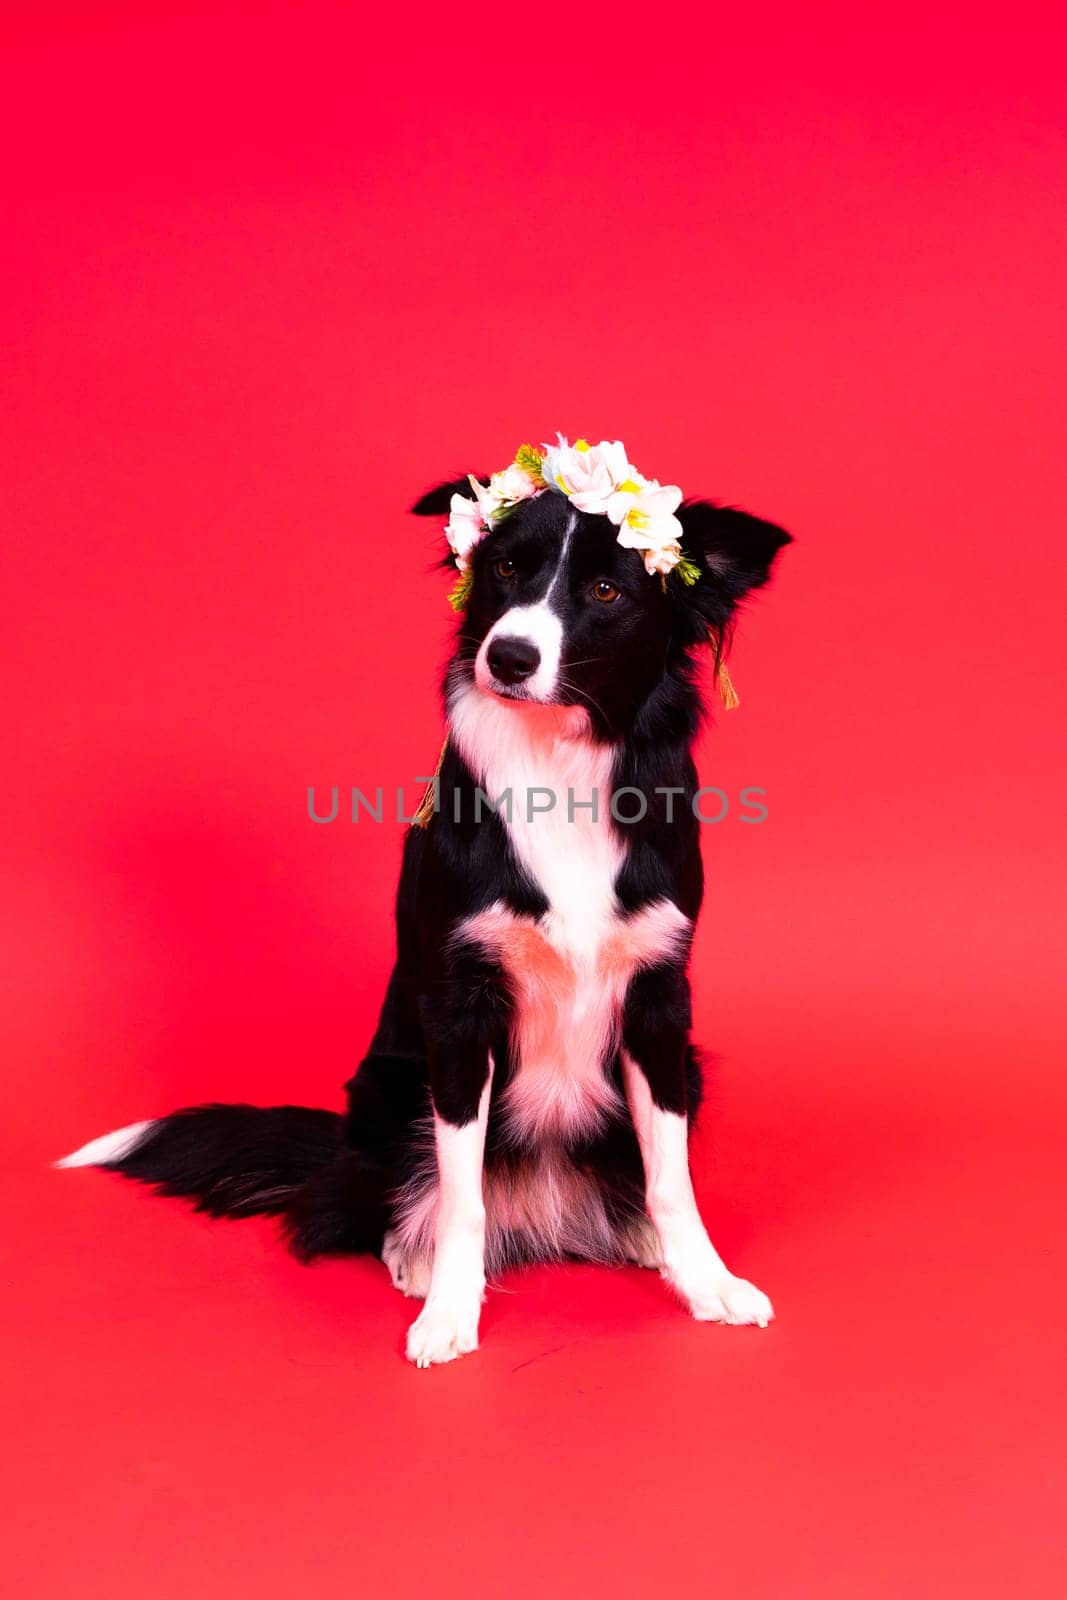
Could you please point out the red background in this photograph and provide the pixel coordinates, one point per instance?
(273, 270)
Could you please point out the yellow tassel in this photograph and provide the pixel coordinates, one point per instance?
(725, 685)
(428, 803)
(723, 681)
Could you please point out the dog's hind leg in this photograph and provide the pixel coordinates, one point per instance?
(640, 1244)
(409, 1270)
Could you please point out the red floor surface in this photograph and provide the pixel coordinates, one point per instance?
(271, 274)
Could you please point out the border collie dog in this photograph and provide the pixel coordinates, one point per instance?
(528, 1093)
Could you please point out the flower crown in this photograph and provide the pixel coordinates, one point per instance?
(596, 478)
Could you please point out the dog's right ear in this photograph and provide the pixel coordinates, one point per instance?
(438, 502)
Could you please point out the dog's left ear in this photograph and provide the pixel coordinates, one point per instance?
(437, 502)
(735, 553)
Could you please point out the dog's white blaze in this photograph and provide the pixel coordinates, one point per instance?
(537, 623)
(109, 1147)
(570, 968)
(447, 1325)
(540, 625)
(690, 1262)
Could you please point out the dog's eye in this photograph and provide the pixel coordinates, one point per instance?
(504, 568)
(605, 592)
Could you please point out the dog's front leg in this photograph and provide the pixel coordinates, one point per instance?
(447, 1325)
(460, 1077)
(653, 1060)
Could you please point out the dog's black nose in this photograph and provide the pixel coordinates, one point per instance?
(512, 660)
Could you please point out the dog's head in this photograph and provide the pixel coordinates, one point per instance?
(561, 613)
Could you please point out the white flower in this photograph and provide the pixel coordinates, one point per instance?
(487, 502)
(464, 528)
(663, 560)
(504, 490)
(588, 474)
(644, 513)
(514, 484)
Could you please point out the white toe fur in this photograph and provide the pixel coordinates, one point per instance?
(442, 1331)
(110, 1147)
(734, 1301)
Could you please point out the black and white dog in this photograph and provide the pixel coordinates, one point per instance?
(528, 1092)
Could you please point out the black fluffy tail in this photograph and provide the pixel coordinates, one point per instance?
(244, 1161)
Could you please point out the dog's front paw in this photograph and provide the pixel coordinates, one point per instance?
(442, 1331)
(732, 1300)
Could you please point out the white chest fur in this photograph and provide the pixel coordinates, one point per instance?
(570, 968)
